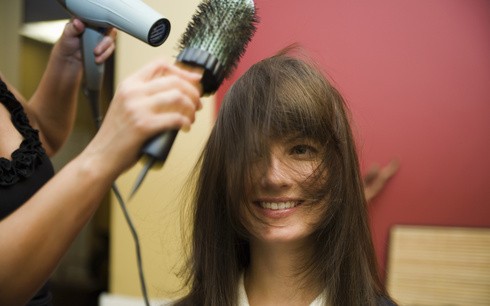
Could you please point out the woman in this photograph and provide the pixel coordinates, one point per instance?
(279, 213)
(42, 212)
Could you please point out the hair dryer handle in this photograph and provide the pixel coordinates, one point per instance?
(94, 73)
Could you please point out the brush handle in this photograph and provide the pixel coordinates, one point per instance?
(155, 151)
(193, 60)
(159, 146)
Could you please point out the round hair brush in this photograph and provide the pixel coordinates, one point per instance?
(213, 43)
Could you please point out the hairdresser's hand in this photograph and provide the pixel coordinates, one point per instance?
(376, 178)
(52, 108)
(158, 97)
(69, 44)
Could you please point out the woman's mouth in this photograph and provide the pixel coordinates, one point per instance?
(278, 205)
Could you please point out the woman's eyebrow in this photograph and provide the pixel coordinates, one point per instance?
(298, 137)
(295, 136)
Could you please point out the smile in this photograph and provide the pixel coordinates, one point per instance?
(278, 205)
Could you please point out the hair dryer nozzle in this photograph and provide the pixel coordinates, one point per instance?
(159, 32)
(133, 17)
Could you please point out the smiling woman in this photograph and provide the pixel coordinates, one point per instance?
(279, 211)
(279, 204)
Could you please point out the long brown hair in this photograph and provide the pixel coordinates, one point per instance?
(280, 95)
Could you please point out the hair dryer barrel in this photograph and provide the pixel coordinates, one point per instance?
(133, 17)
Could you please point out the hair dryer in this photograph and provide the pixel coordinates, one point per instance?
(133, 17)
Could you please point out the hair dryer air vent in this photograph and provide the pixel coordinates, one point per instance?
(159, 32)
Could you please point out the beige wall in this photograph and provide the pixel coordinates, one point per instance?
(155, 209)
(10, 20)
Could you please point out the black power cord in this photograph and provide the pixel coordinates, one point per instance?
(94, 100)
(139, 260)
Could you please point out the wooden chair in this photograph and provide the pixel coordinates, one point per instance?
(430, 265)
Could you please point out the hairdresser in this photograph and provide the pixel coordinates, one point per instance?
(42, 212)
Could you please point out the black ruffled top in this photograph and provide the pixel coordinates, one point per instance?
(29, 168)
(25, 173)
(28, 156)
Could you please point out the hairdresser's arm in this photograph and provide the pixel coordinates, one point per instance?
(35, 237)
(52, 107)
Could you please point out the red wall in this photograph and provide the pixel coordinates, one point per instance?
(416, 75)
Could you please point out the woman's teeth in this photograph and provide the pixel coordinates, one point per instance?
(278, 205)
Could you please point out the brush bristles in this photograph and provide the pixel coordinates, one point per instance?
(221, 29)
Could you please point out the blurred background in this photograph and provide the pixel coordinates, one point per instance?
(416, 77)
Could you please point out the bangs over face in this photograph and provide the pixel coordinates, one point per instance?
(277, 98)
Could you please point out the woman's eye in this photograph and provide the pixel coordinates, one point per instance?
(304, 150)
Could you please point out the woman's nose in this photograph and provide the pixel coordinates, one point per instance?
(275, 173)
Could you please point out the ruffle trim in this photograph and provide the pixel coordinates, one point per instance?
(28, 156)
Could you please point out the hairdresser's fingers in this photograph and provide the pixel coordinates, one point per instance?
(158, 92)
(171, 81)
(160, 68)
(74, 28)
(170, 99)
(168, 121)
(135, 104)
(192, 75)
(105, 47)
(68, 45)
(173, 101)
(150, 71)
(106, 52)
(175, 83)
(111, 33)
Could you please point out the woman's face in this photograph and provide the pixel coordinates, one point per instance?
(282, 207)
